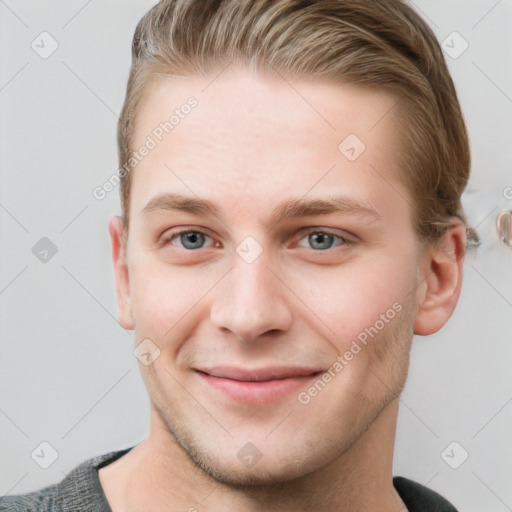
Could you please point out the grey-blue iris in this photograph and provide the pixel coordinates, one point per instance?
(321, 238)
(192, 238)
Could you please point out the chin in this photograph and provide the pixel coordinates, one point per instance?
(283, 463)
(265, 474)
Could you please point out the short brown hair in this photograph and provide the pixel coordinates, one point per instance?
(381, 43)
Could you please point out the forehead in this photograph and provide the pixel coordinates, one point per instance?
(252, 137)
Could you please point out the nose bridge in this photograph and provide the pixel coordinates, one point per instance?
(250, 301)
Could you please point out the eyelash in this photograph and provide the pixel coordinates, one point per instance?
(345, 241)
(168, 239)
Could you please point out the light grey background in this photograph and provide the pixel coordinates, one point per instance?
(67, 373)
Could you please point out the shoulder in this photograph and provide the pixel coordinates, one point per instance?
(418, 498)
(79, 490)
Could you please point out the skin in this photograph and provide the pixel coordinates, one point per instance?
(252, 143)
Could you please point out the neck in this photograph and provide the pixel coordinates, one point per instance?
(158, 475)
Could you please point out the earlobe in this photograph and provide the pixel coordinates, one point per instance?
(439, 292)
(117, 231)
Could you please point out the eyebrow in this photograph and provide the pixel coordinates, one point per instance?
(289, 209)
(182, 203)
(294, 208)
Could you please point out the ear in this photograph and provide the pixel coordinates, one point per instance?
(441, 275)
(118, 241)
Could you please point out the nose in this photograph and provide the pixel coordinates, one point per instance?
(251, 301)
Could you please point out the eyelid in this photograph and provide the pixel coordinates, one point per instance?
(346, 237)
(176, 232)
(173, 234)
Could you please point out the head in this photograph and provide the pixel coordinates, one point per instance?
(301, 219)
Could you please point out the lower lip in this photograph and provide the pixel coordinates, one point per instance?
(260, 392)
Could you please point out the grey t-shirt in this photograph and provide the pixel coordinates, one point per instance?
(81, 491)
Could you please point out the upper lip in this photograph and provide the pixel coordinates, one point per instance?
(258, 374)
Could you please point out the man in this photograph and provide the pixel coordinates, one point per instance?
(291, 174)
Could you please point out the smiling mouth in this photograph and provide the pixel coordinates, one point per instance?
(258, 386)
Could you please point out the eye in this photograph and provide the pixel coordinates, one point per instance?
(321, 240)
(189, 240)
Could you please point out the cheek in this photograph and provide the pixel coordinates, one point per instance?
(367, 296)
(162, 296)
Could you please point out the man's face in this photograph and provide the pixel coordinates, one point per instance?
(309, 254)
